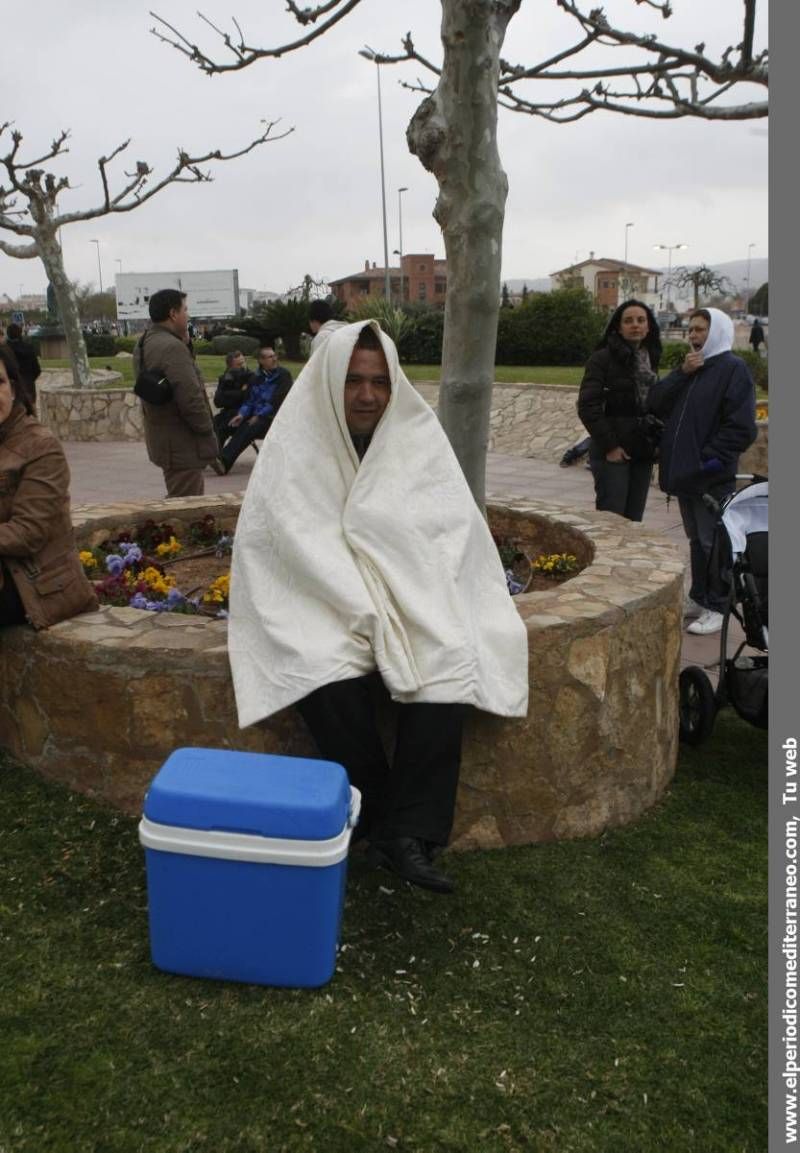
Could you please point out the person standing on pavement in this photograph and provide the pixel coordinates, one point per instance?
(29, 367)
(709, 409)
(612, 403)
(321, 322)
(180, 434)
(756, 334)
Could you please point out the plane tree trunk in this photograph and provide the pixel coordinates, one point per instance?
(454, 134)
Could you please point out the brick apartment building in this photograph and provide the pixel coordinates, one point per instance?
(610, 281)
(423, 278)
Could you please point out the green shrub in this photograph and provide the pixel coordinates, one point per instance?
(126, 343)
(100, 344)
(559, 327)
(221, 345)
(758, 366)
(393, 321)
(421, 341)
(672, 354)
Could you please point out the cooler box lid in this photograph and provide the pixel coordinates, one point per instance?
(257, 793)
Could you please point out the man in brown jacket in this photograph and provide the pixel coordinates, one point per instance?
(179, 435)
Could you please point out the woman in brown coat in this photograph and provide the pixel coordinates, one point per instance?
(41, 577)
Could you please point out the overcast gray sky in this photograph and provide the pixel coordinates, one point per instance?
(311, 203)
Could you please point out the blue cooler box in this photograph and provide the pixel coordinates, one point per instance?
(246, 865)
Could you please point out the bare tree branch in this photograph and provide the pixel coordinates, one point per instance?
(22, 252)
(245, 54)
(670, 82)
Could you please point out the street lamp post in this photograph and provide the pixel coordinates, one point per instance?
(669, 248)
(400, 192)
(370, 54)
(99, 268)
(750, 248)
(627, 226)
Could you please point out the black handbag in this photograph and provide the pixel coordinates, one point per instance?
(151, 385)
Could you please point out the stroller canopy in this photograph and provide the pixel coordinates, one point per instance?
(747, 511)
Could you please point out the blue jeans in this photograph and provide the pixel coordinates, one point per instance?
(620, 486)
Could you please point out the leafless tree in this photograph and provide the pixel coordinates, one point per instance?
(456, 139)
(704, 281)
(29, 211)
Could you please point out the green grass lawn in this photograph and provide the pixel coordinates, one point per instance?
(605, 995)
(213, 366)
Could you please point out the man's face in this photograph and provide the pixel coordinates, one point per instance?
(179, 318)
(268, 359)
(367, 389)
(698, 332)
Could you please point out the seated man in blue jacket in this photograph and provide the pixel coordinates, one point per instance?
(267, 391)
(708, 405)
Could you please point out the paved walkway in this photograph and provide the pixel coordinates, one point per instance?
(105, 472)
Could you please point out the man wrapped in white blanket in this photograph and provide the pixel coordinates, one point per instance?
(362, 565)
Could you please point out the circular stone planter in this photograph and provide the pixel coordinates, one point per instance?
(99, 701)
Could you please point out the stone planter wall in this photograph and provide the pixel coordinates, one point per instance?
(98, 702)
(536, 420)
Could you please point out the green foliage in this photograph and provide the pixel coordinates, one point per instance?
(758, 365)
(128, 343)
(590, 995)
(758, 304)
(422, 340)
(221, 345)
(672, 354)
(559, 327)
(100, 344)
(393, 321)
(289, 320)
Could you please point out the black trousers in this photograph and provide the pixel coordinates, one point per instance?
(620, 486)
(12, 610)
(416, 796)
(243, 435)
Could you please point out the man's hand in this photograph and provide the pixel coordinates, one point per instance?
(617, 454)
(235, 421)
(253, 420)
(691, 362)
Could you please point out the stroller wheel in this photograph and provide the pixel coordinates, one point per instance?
(697, 706)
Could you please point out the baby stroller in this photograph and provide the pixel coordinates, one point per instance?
(738, 567)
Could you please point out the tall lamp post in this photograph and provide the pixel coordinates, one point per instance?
(627, 226)
(370, 54)
(670, 248)
(99, 268)
(400, 192)
(750, 248)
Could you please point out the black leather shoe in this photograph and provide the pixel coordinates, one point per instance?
(408, 857)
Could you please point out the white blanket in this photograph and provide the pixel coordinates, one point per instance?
(341, 567)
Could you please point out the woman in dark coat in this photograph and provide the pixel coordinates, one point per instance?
(612, 403)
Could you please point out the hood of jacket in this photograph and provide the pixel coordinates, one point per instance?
(720, 334)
